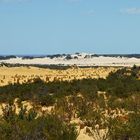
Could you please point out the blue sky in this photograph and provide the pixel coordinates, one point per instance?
(68, 26)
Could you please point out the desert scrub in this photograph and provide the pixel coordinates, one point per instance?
(27, 126)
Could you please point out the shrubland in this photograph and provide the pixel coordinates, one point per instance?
(111, 105)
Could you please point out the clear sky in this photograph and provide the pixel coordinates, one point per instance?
(68, 26)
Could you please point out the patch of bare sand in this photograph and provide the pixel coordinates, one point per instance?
(11, 75)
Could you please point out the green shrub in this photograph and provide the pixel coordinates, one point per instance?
(27, 126)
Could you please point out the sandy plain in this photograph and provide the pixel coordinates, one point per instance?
(11, 75)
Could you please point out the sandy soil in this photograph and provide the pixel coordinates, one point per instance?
(25, 74)
(95, 61)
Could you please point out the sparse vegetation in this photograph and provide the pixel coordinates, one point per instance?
(111, 104)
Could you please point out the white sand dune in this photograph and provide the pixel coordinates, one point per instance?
(94, 61)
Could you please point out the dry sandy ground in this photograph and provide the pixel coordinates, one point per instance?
(25, 74)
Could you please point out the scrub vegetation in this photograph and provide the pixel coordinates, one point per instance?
(108, 108)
